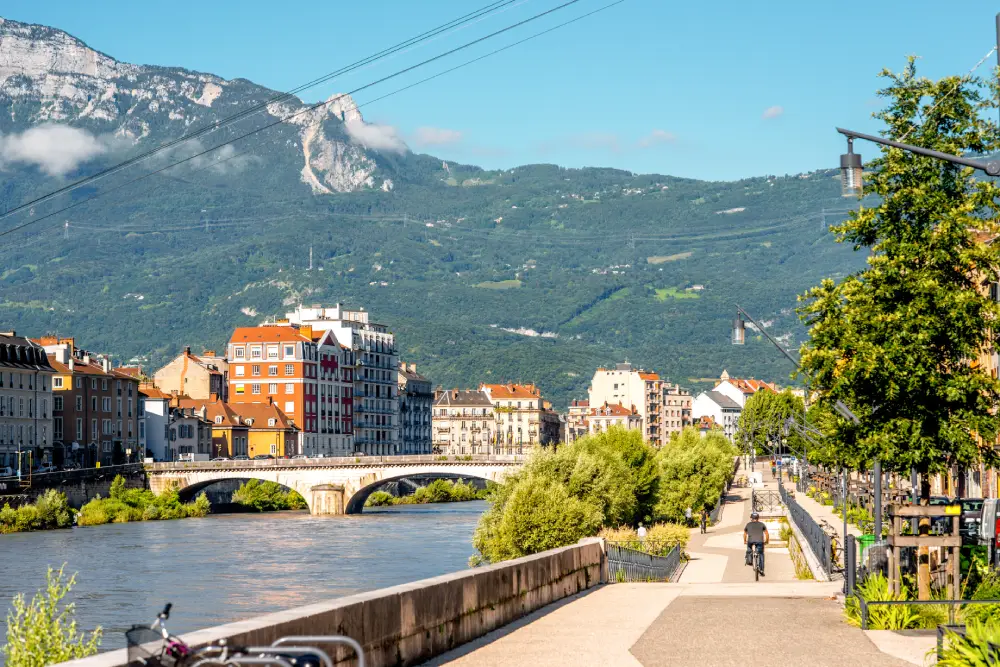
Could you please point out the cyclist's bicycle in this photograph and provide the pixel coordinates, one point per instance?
(153, 646)
(755, 560)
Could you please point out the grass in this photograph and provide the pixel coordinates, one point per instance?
(499, 284)
(662, 259)
(665, 293)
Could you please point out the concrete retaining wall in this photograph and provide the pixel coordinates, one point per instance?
(411, 623)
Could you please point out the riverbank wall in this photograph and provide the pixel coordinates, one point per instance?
(411, 623)
(80, 487)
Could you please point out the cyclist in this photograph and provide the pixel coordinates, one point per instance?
(755, 532)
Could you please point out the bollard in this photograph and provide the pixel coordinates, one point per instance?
(850, 565)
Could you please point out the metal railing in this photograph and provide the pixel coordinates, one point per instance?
(626, 564)
(817, 538)
(765, 501)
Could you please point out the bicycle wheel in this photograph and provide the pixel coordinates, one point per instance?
(145, 648)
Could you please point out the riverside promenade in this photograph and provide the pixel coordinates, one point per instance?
(716, 614)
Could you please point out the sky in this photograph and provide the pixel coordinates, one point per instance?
(716, 90)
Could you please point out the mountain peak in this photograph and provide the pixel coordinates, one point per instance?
(37, 51)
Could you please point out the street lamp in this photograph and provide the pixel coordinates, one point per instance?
(851, 172)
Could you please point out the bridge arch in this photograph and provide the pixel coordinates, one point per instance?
(355, 503)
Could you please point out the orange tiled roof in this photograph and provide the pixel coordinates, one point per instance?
(213, 409)
(93, 368)
(609, 410)
(152, 391)
(266, 335)
(752, 386)
(649, 376)
(131, 371)
(505, 391)
(261, 412)
(705, 422)
(580, 403)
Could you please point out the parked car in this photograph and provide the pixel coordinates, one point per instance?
(7, 471)
(43, 470)
(299, 456)
(71, 466)
(264, 457)
(221, 458)
(972, 517)
(241, 457)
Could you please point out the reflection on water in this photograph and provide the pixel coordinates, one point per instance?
(229, 567)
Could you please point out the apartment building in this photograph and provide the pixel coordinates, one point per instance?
(524, 419)
(740, 390)
(376, 390)
(270, 431)
(577, 421)
(26, 423)
(198, 376)
(335, 394)
(154, 420)
(190, 435)
(279, 364)
(416, 402)
(95, 407)
(464, 422)
(608, 416)
(722, 410)
(665, 408)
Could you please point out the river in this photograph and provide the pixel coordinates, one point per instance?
(229, 567)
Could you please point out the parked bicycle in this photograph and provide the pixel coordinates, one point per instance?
(154, 646)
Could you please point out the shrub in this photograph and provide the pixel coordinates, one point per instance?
(50, 510)
(380, 499)
(42, 632)
(881, 617)
(978, 648)
(987, 589)
(666, 536)
(263, 496)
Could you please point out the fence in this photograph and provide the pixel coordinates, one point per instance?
(626, 564)
(817, 538)
(766, 501)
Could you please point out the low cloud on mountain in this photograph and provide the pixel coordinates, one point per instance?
(436, 136)
(53, 148)
(384, 138)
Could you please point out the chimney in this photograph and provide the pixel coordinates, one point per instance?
(203, 413)
(71, 363)
(62, 354)
(209, 353)
(10, 333)
(106, 364)
(270, 400)
(213, 397)
(454, 394)
(86, 358)
(187, 349)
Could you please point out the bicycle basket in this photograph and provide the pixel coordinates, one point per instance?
(146, 648)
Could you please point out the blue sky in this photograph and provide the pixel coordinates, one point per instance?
(718, 90)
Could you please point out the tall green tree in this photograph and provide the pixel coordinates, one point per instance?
(895, 340)
(763, 419)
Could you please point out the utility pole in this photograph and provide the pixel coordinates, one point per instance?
(310, 258)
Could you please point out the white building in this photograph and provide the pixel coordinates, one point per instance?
(607, 416)
(376, 394)
(740, 390)
(722, 409)
(663, 407)
(154, 418)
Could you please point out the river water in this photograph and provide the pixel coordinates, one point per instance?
(229, 567)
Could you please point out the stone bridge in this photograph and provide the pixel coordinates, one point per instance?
(336, 485)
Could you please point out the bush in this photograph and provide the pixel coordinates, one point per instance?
(41, 633)
(50, 510)
(666, 536)
(978, 648)
(380, 499)
(694, 470)
(987, 589)
(263, 496)
(881, 617)
(125, 505)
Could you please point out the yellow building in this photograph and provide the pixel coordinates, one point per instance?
(230, 433)
(270, 429)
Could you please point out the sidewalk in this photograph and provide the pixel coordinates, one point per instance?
(716, 615)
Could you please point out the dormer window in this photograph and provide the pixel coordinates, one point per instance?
(272, 421)
(218, 420)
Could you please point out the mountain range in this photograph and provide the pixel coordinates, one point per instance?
(536, 273)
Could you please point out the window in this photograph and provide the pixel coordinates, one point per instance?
(289, 388)
(274, 449)
(218, 419)
(239, 389)
(106, 426)
(142, 408)
(79, 403)
(104, 384)
(107, 445)
(57, 402)
(57, 428)
(238, 353)
(106, 404)
(119, 431)
(93, 404)
(255, 370)
(289, 351)
(130, 406)
(289, 369)
(255, 388)
(20, 407)
(79, 428)
(289, 407)
(93, 429)
(272, 421)
(272, 351)
(272, 388)
(142, 430)
(57, 382)
(255, 352)
(272, 370)
(239, 370)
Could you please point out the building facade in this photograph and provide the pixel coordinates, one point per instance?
(95, 407)
(577, 421)
(190, 435)
(270, 431)
(279, 364)
(723, 411)
(524, 419)
(607, 416)
(740, 390)
(201, 376)
(665, 408)
(464, 422)
(154, 421)
(26, 400)
(336, 397)
(416, 403)
(376, 390)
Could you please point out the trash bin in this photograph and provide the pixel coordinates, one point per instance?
(865, 541)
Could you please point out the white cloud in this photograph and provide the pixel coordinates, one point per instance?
(53, 148)
(772, 112)
(436, 136)
(657, 137)
(383, 138)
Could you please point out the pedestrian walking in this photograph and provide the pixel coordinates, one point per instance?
(704, 520)
(641, 532)
(687, 516)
